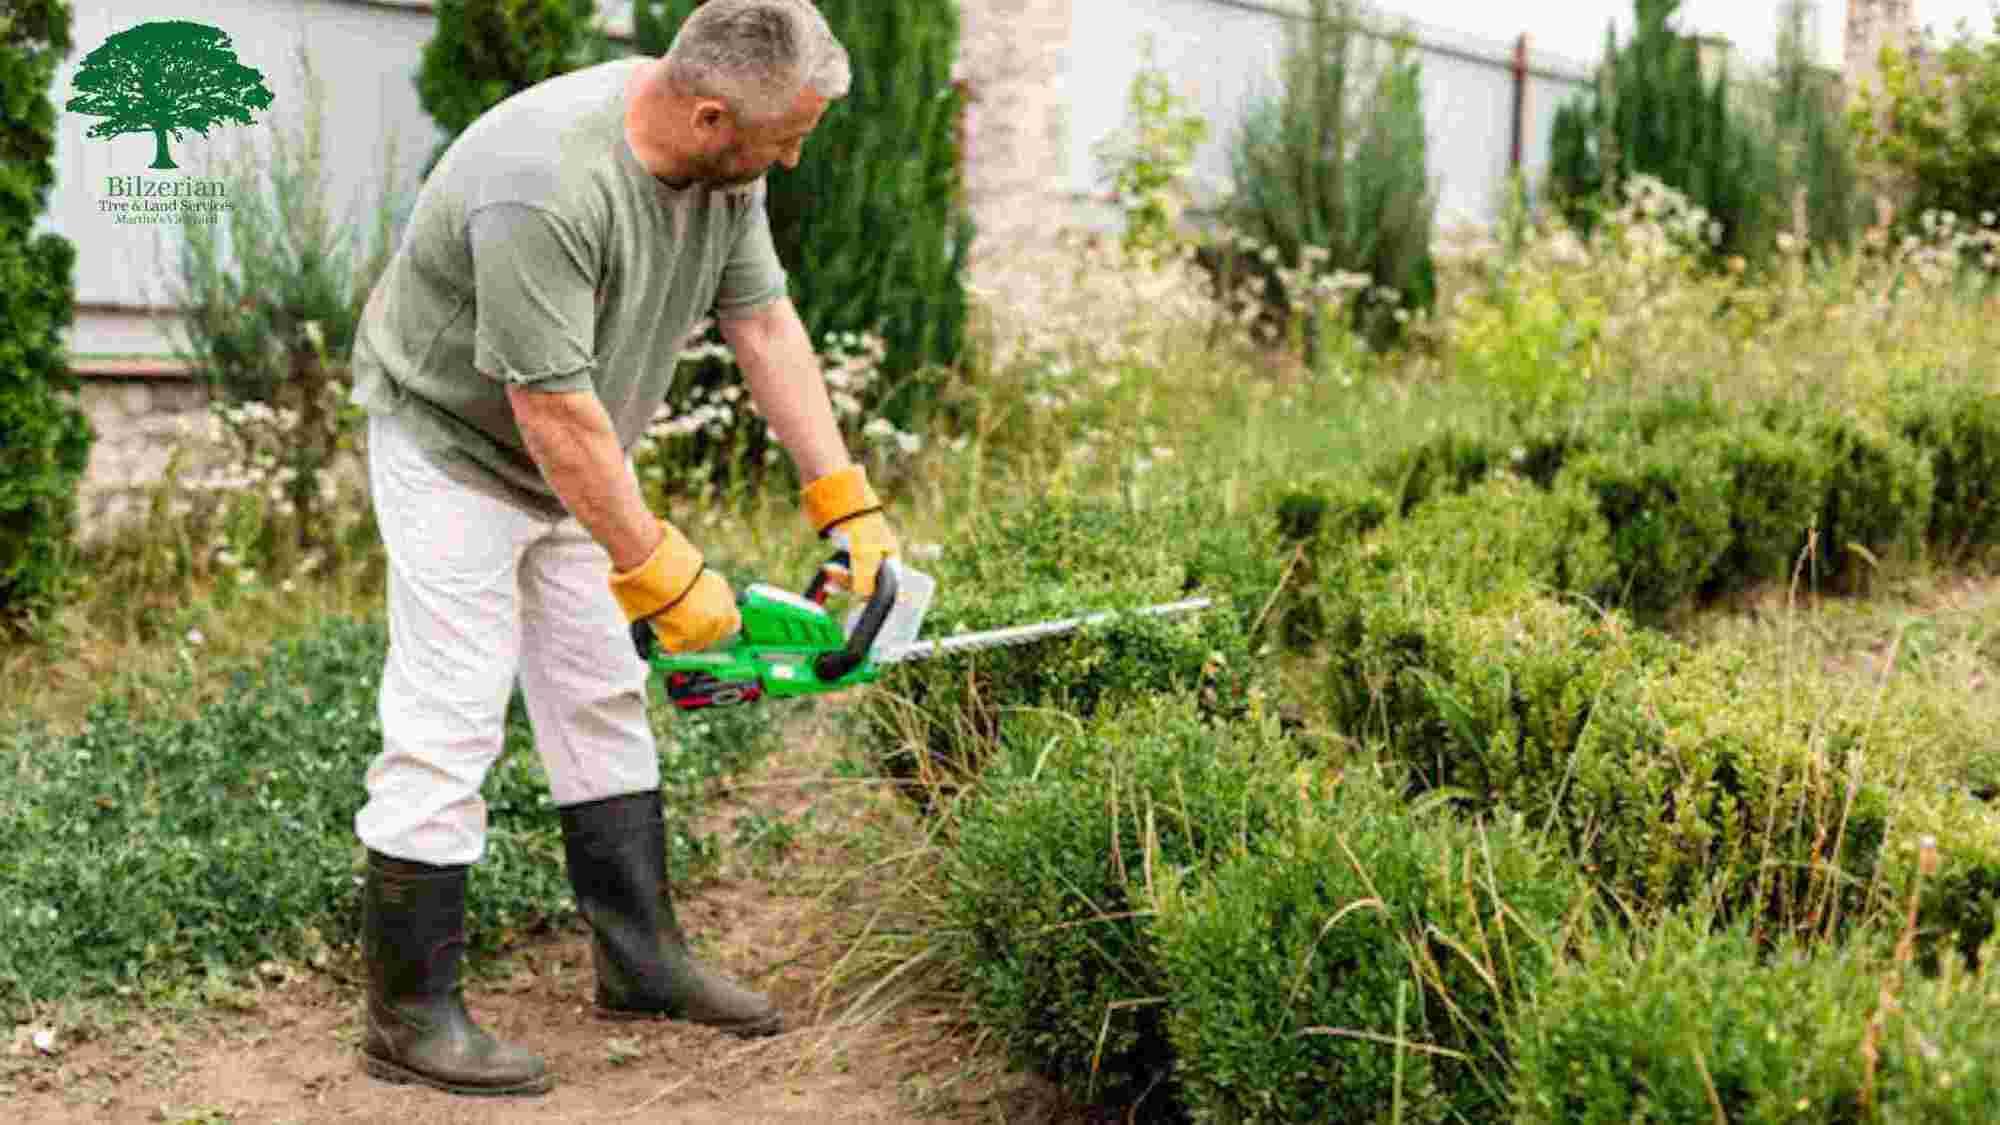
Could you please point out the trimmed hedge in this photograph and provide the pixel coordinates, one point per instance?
(1053, 856)
(1683, 1024)
(1958, 424)
(1371, 956)
(934, 723)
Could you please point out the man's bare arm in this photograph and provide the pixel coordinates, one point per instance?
(570, 437)
(785, 379)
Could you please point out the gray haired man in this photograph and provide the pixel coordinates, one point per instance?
(519, 344)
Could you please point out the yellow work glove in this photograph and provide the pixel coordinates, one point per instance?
(689, 606)
(842, 507)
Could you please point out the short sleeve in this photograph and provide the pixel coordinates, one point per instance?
(536, 298)
(753, 276)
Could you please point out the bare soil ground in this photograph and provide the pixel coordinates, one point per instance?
(290, 1054)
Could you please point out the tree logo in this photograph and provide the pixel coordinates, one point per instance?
(163, 77)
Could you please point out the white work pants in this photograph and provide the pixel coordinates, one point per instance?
(481, 591)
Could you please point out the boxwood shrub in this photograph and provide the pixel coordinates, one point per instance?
(1683, 1022)
(1880, 490)
(1957, 423)
(1668, 507)
(1054, 850)
(1372, 956)
(933, 723)
(1776, 488)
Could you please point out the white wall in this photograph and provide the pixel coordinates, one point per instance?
(366, 55)
(1224, 53)
(1054, 76)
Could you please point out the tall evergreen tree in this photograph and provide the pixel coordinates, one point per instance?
(484, 51)
(873, 223)
(44, 437)
(1653, 112)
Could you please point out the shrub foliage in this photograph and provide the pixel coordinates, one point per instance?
(45, 439)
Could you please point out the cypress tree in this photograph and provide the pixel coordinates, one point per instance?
(484, 51)
(1653, 112)
(872, 223)
(44, 437)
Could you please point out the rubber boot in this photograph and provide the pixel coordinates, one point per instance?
(617, 854)
(413, 934)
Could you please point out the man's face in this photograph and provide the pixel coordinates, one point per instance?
(743, 152)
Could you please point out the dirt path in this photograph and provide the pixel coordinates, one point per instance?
(291, 1056)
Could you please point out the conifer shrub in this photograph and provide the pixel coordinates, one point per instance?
(482, 52)
(45, 438)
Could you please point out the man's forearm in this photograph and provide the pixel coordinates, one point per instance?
(784, 378)
(571, 439)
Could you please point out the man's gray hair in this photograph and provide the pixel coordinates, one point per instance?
(756, 55)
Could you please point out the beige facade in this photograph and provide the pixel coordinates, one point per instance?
(1871, 26)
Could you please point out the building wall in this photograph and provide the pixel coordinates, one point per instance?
(1225, 54)
(1872, 25)
(1048, 81)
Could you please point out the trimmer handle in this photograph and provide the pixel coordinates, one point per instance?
(834, 665)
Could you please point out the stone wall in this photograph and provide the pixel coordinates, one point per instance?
(139, 420)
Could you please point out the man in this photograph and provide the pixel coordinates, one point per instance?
(518, 345)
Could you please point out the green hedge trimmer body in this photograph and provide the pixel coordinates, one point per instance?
(790, 645)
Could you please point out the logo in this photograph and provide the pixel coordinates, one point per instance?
(165, 78)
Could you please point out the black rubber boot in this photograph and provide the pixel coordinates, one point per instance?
(413, 933)
(617, 853)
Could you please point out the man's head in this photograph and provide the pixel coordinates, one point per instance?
(745, 83)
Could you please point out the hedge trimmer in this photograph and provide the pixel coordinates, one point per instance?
(791, 645)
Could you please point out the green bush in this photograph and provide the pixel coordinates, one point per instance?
(1654, 113)
(1776, 488)
(1313, 979)
(1667, 771)
(45, 439)
(1932, 120)
(873, 223)
(935, 722)
(145, 851)
(1458, 453)
(1054, 852)
(1682, 1023)
(1668, 507)
(1957, 425)
(1331, 171)
(482, 52)
(1880, 490)
(1498, 534)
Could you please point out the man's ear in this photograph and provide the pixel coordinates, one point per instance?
(710, 118)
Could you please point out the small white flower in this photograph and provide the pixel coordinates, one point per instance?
(194, 637)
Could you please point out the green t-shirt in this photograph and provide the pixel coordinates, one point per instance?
(542, 253)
